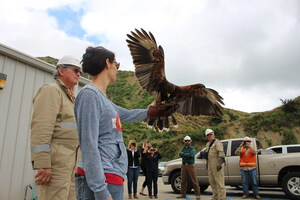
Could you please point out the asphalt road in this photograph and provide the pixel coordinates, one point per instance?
(165, 192)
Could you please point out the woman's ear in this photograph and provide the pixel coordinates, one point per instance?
(108, 64)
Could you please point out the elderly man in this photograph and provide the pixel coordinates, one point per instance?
(54, 139)
(215, 160)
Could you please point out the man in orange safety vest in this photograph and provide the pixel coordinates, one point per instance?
(247, 155)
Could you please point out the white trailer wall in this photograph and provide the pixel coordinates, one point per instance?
(25, 75)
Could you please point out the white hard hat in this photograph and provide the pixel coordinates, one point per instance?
(247, 139)
(187, 138)
(69, 60)
(207, 131)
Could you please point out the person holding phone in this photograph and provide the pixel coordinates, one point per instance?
(133, 168)
(152, 170)
(247, 155)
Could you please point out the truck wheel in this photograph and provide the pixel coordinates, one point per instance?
(176, 182)
(203, 188)
(291, 185)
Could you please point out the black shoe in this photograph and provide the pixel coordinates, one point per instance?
(143, 194)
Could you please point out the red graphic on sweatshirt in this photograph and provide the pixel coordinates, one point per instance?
(118, 123)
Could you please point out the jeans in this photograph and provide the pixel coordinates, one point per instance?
(249, 176)
(132, 176)
(83, 192)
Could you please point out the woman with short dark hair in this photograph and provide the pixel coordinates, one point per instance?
(101, 173)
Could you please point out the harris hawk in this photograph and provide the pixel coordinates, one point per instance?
(149, 62)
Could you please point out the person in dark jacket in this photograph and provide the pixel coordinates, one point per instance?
(133, 168)
(187, 168)
(144, 154)
(152, 170)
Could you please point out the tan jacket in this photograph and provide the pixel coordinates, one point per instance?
(53, 129)
(216, 153)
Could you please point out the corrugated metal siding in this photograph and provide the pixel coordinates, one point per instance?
(25, 75)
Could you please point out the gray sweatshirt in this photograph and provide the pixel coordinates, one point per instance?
(100, 137)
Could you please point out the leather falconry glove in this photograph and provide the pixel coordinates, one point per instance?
(163, 110)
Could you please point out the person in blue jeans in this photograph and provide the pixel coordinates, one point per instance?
(133, 168)
(101, 172)
(247, 155)
(152, 171)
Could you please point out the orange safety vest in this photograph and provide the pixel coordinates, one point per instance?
(247, 160)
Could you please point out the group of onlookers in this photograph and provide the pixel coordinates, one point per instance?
(149, 165)
(215, 157)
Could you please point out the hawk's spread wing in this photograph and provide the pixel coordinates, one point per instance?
(149, 63)
(198, 100)
(148, 60)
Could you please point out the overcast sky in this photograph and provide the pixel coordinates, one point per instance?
(249, 51)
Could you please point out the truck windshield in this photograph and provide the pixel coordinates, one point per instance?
(234, 145)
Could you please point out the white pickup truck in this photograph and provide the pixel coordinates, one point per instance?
(284, 149)
(273, 170)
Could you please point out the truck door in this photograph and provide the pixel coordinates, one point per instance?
(233, 165)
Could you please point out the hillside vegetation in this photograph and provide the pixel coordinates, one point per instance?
(278, 126)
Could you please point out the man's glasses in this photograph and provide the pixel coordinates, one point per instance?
(187, 140)
(75, 70)
(209, 134)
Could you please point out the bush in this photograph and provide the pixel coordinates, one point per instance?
(289, 137)
(270, 143)
(289, 106)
